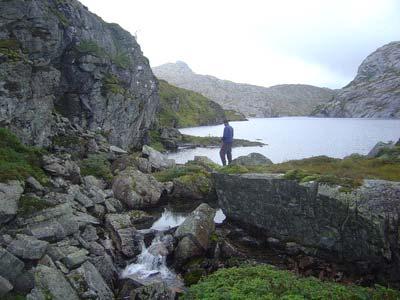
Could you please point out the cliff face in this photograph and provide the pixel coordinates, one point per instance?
(251, 100)
(56, 56)
(374, 92)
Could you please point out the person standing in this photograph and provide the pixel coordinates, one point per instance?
(226, 147)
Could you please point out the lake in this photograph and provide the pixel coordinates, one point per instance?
(298, 137)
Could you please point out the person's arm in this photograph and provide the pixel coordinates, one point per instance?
(225, 135)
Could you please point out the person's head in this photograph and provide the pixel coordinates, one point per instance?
(226, 122)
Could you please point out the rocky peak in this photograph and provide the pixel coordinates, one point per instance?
(57, 56)
(374, 92)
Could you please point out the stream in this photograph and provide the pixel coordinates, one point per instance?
(151, 264)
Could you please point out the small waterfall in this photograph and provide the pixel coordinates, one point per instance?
(151, 264)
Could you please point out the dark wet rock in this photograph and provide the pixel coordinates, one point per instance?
(52, 284)
(5, 286)
(170, 138)
(157, 160)
(10, 266)
(27, 247)
(90, 234)
(136, 189)
(252, 159)
(87, 280)
(9, 197)
(25, 282)
(345, 226)
(194, 233)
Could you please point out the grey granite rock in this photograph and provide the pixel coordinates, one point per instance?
(10, 266)
(374, 92)
(252, 159)
(9, 197)
(27, 247)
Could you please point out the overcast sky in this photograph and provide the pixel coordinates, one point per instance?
(258, 41)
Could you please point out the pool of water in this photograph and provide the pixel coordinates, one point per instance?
(298, 137)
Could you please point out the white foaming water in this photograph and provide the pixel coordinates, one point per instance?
(151, 265)
(169, 219)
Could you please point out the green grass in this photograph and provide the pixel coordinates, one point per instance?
(122, 60)
(111, 84)
(184, 108)
(90, 47)
(28, 205)
(266, 282)
(17, 161)
(11, 49)
(156, 141)
(348, 172)
(96, 165)
(176, 172)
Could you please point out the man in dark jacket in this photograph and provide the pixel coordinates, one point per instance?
(227, 139)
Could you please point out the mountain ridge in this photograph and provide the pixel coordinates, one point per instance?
(251, 100)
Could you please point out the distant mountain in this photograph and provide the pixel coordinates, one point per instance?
(374, 92)
(251, 100)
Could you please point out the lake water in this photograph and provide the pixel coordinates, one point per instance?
(298, 137)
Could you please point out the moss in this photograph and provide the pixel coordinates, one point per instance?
(96, 165)
(90, 47)
(122, 60)
(156, 141)
(266, 282)
(18, 161)
(28, 205)
(66, 140)
(11, 49)
(192, 277)
(172, 173)
(111, 84)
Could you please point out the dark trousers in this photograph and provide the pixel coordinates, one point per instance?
(226, 149)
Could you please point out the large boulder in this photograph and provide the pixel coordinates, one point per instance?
(252, 159)
(51, 284)
(136, 189)
(89, 283)
(9, 197)
(27, 247)
(194, 233)
(10, 266)
(157, 160)
(192, 186)
(350, 227)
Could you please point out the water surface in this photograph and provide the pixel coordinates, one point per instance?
(298, 137)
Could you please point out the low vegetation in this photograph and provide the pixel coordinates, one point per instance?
(348, 172)
(184, 108)
(111, 84)
(18, 161)
(96, 165)
(214, 141)
(179, 171)
(266, 282)
(29, 204)
(233, 115)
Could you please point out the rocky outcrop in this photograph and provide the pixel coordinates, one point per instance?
(194, 233)
(374, 92)
(252, 159)
(9, 197)
(56, 55)
(251, 100)
(359, 227)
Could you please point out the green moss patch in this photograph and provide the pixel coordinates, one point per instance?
(28, 205)
(266, 282)
(90, 47)
(156, 141)
(11, 49)
(348, 173)
(111, 84)
(172, 173)
(17, 161)
(233, 115)
(96, 165)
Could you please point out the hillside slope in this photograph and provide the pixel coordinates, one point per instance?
(251, 100)
(57, 56)
(374, 92)
(183, 108)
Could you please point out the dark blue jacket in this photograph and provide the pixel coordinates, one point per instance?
(228, 134)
